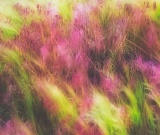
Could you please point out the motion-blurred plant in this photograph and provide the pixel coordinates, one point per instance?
(79, 67)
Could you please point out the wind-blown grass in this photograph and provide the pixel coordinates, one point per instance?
(79, 67)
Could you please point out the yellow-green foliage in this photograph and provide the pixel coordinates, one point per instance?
(65, 8)
(65, 107)
(133, 109)
(107, 116)
(10, 21)
(154, 10)
(13, 63)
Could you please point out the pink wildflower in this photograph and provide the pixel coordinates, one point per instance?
(44, 52)
(151, 36)
(64, 55)
(79, 80)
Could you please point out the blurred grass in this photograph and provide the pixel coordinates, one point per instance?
(107, 116)
(43, 92)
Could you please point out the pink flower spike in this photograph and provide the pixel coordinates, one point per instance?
(44, 52)
(79, 80)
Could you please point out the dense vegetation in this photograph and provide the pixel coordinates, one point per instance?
(80, 67)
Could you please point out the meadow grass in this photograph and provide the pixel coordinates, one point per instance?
(79, 67)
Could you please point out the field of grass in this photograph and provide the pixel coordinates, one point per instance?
(80, 67)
